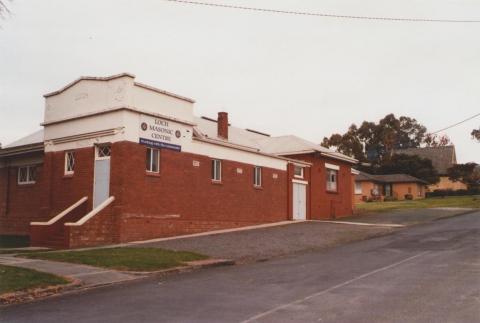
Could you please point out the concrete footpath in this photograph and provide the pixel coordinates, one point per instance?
(88, 275)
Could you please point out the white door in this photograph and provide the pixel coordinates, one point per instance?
(299, 201)
(101, 185)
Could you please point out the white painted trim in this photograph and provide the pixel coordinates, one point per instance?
(259, 169)
(331, 166)
(28, 181)
(343, 157)
(150, 162)
(92, 213)
(302, 175)
(89, 135)
(63, 213)
(69, 172)
(297, 181)
(355, 172)
(118, 108)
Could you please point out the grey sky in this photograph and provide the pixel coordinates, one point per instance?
(280, 74)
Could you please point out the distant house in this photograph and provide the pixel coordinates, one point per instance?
(442, 159)
(378, 187)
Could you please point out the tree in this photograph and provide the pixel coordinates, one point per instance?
(413, 165)
(376, 142)
(348, 143)
(434, 140)
(468, 174)
(476, 134)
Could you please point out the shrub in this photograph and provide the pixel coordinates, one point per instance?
(408, 196)
(443, 193)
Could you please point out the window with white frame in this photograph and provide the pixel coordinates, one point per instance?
(332, 179)
(298, 172)
(152, 160)
(104, 152)
(257, 176)
(69, 163)
(216, 170)
(358, 188)
(26, 175)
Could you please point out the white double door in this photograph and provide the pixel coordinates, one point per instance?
(299, 201)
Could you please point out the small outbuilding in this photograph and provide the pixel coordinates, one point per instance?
(370, 187)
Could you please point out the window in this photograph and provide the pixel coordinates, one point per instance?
(153, 160)
(69, 163)
(409, 190)
(216, 170)
(26, 175)
(332, 176)
(358, 188)
(298, 171)
(257, 176)
(387, 190)
(103, 152)
(420, 190)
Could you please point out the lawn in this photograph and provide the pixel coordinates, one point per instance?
(13, 279)
(133, 259)
(449, 201)
(12, 241)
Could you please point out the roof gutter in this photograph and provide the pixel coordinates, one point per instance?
(250, 150)
(20, 150)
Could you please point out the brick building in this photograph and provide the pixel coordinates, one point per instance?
(119, 161)
(442, 157)
(379, 187)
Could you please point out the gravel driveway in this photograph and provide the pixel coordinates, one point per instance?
(260, 244)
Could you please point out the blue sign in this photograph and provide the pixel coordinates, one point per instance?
(158, 144)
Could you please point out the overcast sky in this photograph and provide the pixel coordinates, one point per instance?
(281, 74)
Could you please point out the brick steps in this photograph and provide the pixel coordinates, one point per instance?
(55, 241)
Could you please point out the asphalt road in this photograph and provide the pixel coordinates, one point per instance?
(427, 273)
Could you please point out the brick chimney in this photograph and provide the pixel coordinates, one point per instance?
(222, 125)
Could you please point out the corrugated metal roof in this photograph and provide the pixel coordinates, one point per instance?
(281, 145)
(33, 138)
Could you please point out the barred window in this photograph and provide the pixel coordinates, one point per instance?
(26, 175)
(104, 152)
(69, 162)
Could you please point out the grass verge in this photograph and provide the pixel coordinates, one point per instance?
(449, 201)
(14, 279)
(131, 259)
(12, 241)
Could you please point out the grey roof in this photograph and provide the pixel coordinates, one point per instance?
(442, 157)
(280, 146)
(33, 138)
(388, 178)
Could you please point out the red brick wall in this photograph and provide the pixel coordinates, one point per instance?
(21, 204)
(323, 204)
(180, 199)
(68, 189)
(102, 229)
(52, 193)
(183, 199)
(3, 192)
